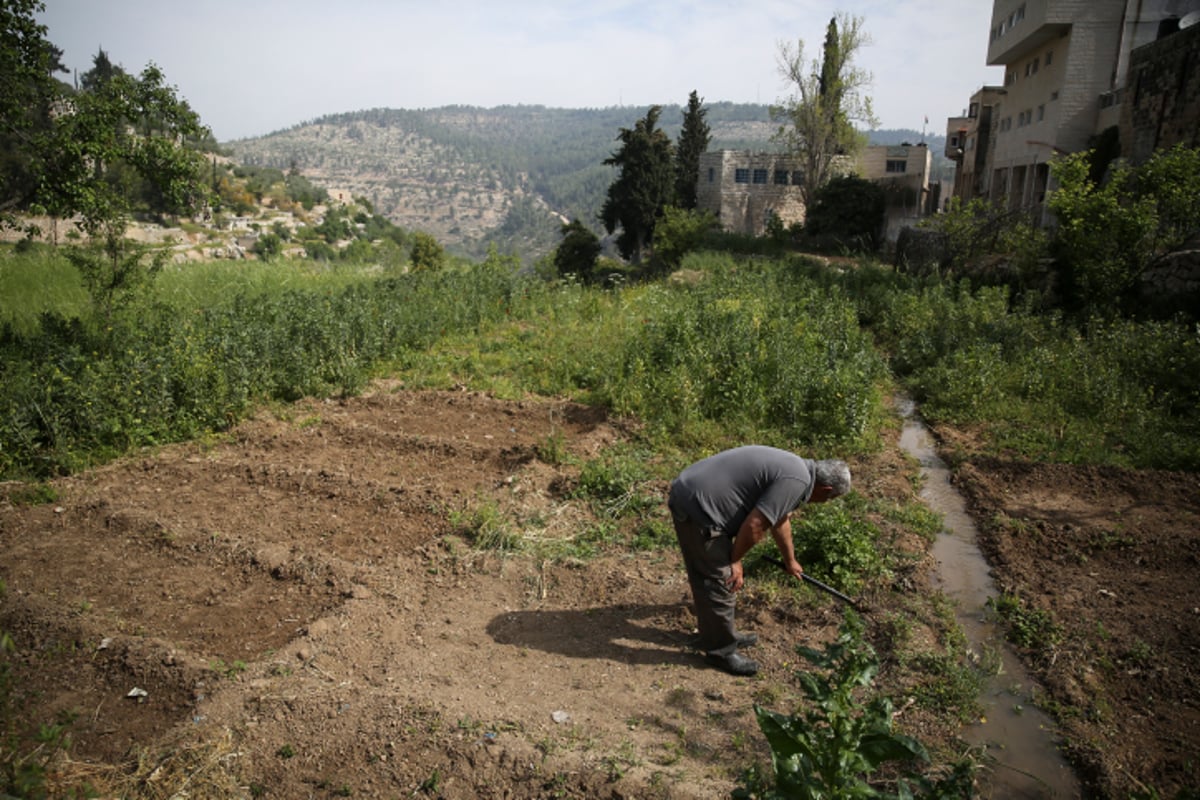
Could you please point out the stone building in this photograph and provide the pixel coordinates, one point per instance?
(1068, 68)
(745, 189)
(903, 171)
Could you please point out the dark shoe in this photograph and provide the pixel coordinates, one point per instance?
(746, 639)
(733, 663)
(740, 639)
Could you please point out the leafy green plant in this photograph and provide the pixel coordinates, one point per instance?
(614, 480)
(834, 542)
(1034, 628)
(834, 747)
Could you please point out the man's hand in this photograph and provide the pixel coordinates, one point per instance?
(736, 580)
(793, 568)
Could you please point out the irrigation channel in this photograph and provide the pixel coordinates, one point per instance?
(1021, 741)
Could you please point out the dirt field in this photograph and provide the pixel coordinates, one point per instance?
(302, 623)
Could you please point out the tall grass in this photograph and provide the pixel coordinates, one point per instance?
(1115, 391)
(35, 281)
(72, 393)
(768, 350)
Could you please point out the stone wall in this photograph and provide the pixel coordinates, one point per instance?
(771, 186)
(1172, 283)
(1162, 101)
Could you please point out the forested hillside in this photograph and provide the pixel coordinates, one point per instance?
(472, 176)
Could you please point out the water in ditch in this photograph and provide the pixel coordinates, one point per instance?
(1023, 759)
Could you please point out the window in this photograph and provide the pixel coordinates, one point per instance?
(781, 177)
(1035, 66)
(1010, 77)
(1049, 57)
(896, 166)
(712, 174)
(760, 176)
(1028, 69)
(1041, 113)
(954, 141)
(1020, 13)
(1054, 95)
(974, 111)
(741, 175)
(798, 177)
(970, 142)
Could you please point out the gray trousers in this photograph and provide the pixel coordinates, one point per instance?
(706, 555)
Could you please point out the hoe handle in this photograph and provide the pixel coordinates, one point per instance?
(820, 585)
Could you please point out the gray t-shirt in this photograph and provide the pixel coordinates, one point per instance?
(721, 490)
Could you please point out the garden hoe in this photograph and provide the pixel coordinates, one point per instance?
(820, 585)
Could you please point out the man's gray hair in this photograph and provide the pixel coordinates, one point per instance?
(832, 472)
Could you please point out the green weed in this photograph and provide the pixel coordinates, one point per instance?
(1033, 628)
(837, 743)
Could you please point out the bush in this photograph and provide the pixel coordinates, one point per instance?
(678, 232)
(1108, 233)
(577, 253)
(427, 253)
(268, 246)
(848, 212)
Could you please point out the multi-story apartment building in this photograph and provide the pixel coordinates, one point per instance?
(1066, 66)
(968, 142)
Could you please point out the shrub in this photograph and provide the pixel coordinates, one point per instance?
(268, 246)
(848, 212)
(1109, 232)
(678, 232)
(577, 253)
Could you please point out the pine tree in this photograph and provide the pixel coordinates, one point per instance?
(693, 140)
(645, 186)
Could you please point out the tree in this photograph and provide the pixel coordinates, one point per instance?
(427, 253)
(817, 120)
(27, 93)
(645, 186)
(101, 73)
(693, 140)
(578, 252)
(1108, 233)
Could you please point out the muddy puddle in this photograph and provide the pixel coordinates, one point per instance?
(1021, 742)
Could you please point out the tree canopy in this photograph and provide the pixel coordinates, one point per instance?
(27, 90)
(817, 121)
(122, 143)
(645, 186)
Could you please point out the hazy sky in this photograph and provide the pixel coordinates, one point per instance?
(251, 67)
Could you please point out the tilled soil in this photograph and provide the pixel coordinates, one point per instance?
(294, 616)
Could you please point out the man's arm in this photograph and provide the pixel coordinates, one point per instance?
(782, 534)
(754, 530)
